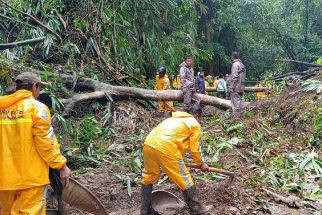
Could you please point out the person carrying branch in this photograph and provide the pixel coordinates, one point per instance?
(237, 86)
(28, 147)
(163, 83)
(165, 147)
(188, 84)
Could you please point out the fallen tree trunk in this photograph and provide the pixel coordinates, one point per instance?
(101, 90)
(21, 43)
(247, 89)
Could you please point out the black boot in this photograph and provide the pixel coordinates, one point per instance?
(146, 198)
(191, 197)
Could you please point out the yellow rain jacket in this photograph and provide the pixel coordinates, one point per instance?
(28, 145)
(175, 135)
(260, 95)
(215, 83)
(176, 83)
(207, 84)
(165, 146)
(162, 83)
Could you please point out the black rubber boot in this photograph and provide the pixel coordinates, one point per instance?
(191, 197)
(146, 198)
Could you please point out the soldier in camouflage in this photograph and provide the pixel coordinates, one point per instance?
(188, 84)
(237, 86)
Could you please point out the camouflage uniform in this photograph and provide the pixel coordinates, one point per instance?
(237, 88)
(188, 87)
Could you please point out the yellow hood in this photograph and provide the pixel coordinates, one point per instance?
(180, 114)
(7, 101)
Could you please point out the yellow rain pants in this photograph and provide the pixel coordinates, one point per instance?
(163, 84)
(260, 95)
(165, 106)
(172, 166)
(30, 201)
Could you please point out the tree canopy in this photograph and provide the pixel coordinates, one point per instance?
(138, 36)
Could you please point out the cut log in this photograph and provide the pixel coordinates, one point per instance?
(101, 90)
(247, 89)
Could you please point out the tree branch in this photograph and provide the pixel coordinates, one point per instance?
(77, 98)
(21, 43)
(9, 18)
(303, 74)
(299, 62)
(33, 18)
(292, 201)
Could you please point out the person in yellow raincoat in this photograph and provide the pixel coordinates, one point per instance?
(206, 85)
(165, 147)
(260, 95)
(215, 83)
(176, 83)
(163, 83)
(28, 147)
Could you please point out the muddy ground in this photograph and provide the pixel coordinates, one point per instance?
(244, 196)
(227, 198)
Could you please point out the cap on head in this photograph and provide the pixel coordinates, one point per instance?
(27, 78)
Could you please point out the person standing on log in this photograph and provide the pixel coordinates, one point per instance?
(188, 83)
(164, 148)
(28, 147)
(237, 86)
(163, 83)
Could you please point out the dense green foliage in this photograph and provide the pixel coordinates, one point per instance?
(123, 41)
(138, 36)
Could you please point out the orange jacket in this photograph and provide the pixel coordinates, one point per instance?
(175, 135)
(28, 145)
